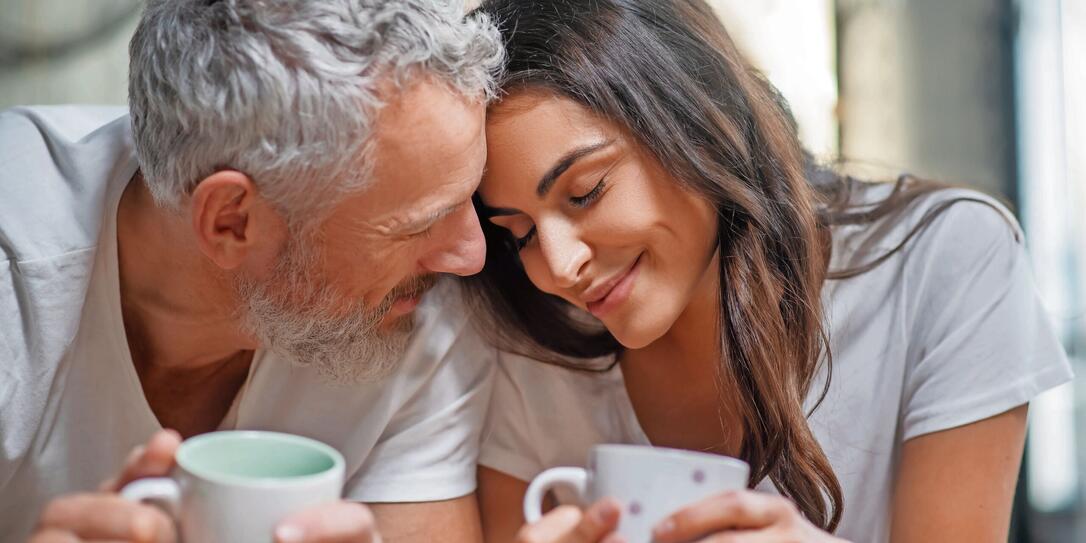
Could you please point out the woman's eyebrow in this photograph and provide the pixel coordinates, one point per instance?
(548, 179)
(564, 163)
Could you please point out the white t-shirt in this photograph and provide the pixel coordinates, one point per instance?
(949, 331)
(71, 404)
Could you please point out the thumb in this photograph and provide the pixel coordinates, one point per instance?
(598, 521)
(155, 459)
(568, 524)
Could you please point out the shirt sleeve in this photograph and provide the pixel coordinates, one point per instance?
(980, 340)
(508, 445)
(429, 449)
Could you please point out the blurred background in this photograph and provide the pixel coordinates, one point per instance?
(990, 93)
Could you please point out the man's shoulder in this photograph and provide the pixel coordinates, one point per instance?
(65, 122)
(58, 167)
(59, 164)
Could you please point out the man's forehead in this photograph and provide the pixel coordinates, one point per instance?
(428, 113)
(429, 152)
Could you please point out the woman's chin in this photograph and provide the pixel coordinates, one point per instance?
(636, 337)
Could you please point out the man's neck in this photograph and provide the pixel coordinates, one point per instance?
(182, 308)
(180, 316)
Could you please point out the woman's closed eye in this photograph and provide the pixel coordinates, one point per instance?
(590, 196)
(523, 241)
(576, 201)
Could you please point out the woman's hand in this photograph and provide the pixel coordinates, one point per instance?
(740, 516)
(568, 524)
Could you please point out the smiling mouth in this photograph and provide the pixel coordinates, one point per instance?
(602, 299)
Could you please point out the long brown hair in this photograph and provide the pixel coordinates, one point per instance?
(668, 73)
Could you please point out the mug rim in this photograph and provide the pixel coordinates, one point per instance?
(678, 454)
(334, 471)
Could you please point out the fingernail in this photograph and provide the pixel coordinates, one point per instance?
(607, 514)
(663, 529)
(289, 533)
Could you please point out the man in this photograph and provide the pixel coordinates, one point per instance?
(247, 248)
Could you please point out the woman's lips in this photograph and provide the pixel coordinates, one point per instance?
(618, 293)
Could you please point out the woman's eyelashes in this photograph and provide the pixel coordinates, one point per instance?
(522, 242)
(590, 196)
(576, 201)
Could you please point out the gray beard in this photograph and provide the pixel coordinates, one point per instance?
(297, 314)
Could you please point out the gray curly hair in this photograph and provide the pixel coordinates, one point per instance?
(287, 91)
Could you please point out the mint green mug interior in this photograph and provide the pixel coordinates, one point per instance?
(255, 456)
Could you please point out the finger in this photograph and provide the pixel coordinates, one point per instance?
(59, 536)
(53, 536)
(568, 524)
(769, 535)
(748, 536)
(614, 538)
(329, 523)
(735, 510)
(110, 485)
(598, 521)
(106, 517)
(554, 526)
(155, 459)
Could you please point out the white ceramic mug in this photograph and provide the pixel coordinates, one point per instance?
(650, 482)
(237, 486)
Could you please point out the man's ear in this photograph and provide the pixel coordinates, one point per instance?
(232, 222)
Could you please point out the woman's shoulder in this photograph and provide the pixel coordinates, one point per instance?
(955, 224)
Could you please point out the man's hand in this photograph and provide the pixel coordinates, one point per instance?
(336, 522)
(105, 516)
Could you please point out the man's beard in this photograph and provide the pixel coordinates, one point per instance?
(298, 314)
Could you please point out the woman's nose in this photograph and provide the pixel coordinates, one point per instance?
(565, 254)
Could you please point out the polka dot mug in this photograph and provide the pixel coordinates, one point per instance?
(650, 482)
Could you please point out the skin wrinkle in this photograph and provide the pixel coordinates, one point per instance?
(305, 297)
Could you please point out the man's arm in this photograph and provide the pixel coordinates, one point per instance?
(452, 521)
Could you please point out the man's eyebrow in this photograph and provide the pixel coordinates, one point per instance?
(427, 221)
(564, 163)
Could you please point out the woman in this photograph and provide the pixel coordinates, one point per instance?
(869, 349)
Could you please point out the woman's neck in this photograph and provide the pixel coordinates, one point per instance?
(674, 382)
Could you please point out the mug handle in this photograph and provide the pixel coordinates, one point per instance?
(575, 478)
(161, 491)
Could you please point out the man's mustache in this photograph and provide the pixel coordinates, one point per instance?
(414, 287)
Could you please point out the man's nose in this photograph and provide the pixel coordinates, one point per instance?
(459, 247)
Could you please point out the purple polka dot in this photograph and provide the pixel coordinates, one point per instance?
(635, 508)
(699, 476)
